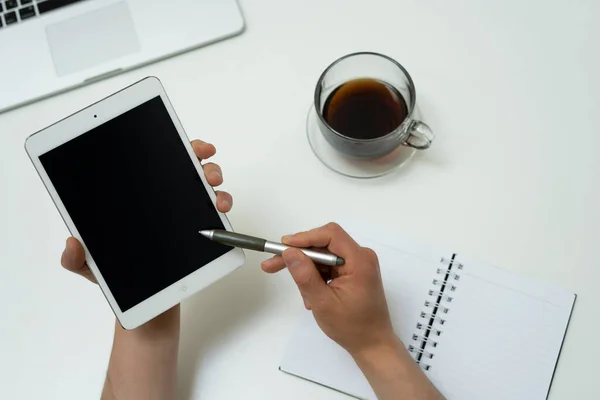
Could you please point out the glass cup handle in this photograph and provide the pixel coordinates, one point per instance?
(420, 135)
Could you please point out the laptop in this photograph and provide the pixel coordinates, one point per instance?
(49, 46)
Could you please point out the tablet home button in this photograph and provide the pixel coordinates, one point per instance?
(183, 288)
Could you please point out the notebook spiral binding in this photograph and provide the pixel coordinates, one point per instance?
(433, 318)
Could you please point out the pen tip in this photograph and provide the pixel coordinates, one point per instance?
(206, 234)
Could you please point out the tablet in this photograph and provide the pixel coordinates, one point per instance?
(128, 185)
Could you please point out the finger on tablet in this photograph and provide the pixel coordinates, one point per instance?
(273, 265)
(213, 174)
(224, 201)
(203, 150)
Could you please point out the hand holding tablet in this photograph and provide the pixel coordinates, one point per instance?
(123, 169)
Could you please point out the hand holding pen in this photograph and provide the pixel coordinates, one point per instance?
(257, 244)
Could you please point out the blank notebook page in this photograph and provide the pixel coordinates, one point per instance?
(496, 335)
(502, 337)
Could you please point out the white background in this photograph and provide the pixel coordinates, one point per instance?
(511, 89)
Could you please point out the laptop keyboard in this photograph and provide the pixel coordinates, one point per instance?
(17, 11)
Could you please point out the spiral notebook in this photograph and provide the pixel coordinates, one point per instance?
(477, 331)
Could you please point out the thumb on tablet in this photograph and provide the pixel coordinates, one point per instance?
(73, 259)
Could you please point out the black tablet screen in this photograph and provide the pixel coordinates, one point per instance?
(138, 202)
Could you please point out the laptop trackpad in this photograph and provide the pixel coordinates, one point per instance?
(92, 39)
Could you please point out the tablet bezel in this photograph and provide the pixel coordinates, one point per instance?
(90, 118)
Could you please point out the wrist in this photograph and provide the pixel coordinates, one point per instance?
(377, 342)
(143, 362)
(387, 352)
(390, 369)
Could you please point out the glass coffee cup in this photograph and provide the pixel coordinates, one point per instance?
(365, 110)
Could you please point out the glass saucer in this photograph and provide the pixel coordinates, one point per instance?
(350, 166)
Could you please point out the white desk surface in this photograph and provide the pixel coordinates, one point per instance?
(511, 89)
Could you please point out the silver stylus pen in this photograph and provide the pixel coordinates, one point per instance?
(253, 243)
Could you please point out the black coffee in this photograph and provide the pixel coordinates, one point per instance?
(365, 109)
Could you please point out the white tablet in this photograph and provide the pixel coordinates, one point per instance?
(128, 185)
